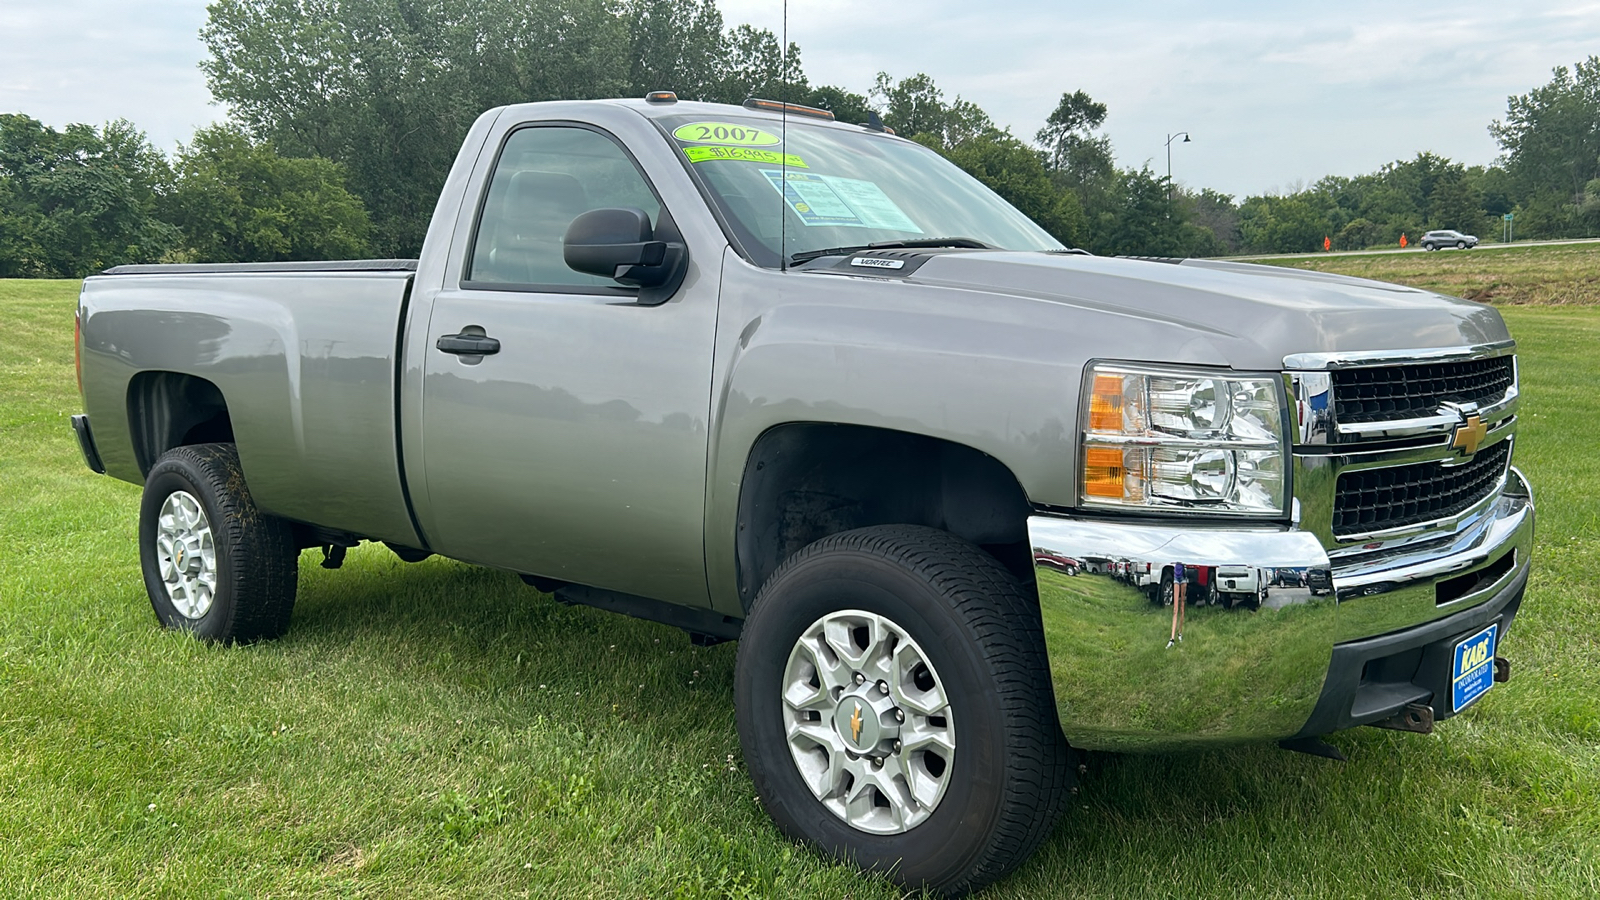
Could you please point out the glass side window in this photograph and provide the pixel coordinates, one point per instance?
(545, 178)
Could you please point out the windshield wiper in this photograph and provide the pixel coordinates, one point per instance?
(963, 242)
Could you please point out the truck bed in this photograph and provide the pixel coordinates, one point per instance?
(303, 354)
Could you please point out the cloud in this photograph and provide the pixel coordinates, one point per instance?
(1273, 93)
(96, 60)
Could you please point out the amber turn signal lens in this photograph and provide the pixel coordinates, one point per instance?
(1105, 405)
(1103, 472)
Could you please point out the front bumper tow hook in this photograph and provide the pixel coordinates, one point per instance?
(1502, 669)
(1417, 717)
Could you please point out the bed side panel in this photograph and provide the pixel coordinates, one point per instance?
(305, 362)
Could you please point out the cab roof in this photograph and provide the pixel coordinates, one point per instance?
(695, 107)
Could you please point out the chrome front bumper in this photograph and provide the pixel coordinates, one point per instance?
(1241, 674)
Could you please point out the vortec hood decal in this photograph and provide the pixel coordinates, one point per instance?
(875, 262)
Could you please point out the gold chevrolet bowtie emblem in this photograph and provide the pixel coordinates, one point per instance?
(855, 724)
(1469, 435)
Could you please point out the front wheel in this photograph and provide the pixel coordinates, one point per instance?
(895, 708)
(1461, 245)
(214, 565)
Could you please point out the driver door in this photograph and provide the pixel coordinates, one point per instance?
(577, 449)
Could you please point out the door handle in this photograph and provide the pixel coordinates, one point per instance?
(465, 344)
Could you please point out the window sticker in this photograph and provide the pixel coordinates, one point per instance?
(746, 154)
(840, 202)
(872, 205)
(726, 133)
(812, 199)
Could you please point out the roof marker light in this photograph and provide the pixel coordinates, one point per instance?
(793, 108)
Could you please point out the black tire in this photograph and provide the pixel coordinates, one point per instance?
(257, 560)
(1461, 245)
(1429, 247)
(981, 631)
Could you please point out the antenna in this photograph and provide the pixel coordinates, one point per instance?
(783, 152)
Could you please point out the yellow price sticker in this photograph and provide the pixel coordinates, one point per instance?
(744, 154)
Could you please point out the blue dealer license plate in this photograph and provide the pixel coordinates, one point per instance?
(1473, 672)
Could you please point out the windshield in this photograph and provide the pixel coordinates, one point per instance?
(838, 188)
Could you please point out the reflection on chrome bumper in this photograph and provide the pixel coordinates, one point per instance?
(1266, 607)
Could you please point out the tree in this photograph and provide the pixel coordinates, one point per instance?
(239, 201)
(1359, 234)
(1493, 185)
(1454, 204)
(1589, 206)
(755, 65)
(845, 106)
(1292, 224)
(1075, 116)
(1139, 219)
(389, 87)
(914, 107)
(1013, 170)
(1551, 135)
(1081, 159)
(76, 201)
(963, 133)
(678, 45)
(1216, 213)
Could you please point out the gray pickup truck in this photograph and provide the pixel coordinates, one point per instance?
(762, 375)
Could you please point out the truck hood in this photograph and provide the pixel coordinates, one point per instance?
(1221, 312)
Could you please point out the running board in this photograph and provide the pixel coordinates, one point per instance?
(705, 627)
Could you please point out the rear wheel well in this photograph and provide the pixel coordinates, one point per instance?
(171, 409)
(805, 481)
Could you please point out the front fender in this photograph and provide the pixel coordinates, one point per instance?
(997, 373)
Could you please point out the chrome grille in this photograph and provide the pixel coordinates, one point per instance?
(1388, 393)
(1371, 500)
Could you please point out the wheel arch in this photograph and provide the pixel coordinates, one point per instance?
(173, 409)
(804, 481)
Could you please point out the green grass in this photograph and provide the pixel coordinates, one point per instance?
(1554, 275)
(436, 730)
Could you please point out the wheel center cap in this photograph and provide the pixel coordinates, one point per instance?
(857, 723)
(860, 720)
(179, 556)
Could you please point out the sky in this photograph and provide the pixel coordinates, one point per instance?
(1273, 95)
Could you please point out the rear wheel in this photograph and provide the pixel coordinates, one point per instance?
(214, 565)
(895, 707)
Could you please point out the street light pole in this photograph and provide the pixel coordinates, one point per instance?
(1170, 139)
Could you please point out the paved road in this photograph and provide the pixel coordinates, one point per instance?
(1414, 249)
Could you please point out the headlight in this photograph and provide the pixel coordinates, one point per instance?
(1175, 440)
